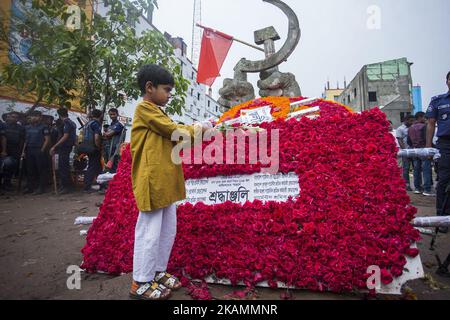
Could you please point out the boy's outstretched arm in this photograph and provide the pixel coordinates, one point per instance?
(163, 125)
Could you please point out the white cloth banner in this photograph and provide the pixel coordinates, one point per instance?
(256, 116)
(105, 177)
(420, 153)
(84, 220)
(432, 221)
(242, 188)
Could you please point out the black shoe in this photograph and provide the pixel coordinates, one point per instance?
(28, 191)
(39, 192)
(443, 272)
(443, 229)
(90, 190)
(65, 191)
(8, 188)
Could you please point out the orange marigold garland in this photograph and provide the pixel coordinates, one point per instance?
(281, 107)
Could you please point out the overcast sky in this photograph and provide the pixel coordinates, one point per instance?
(336, 41)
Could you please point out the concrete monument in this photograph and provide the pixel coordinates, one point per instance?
(272, 82)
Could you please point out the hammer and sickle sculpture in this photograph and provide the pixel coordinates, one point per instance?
(272, 82)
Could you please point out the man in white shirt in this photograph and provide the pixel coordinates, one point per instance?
(402, 138)
(394, 133)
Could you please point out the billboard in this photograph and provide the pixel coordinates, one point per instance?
(417, 99)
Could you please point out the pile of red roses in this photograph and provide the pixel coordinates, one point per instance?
(110, 240)
(353, 212)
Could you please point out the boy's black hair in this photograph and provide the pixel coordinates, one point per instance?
(96, 114)
(448, 75)
(35, 113)
(420, 115)
(114, 110)
(62, 112)
(156, 75)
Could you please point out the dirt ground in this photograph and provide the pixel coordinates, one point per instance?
(39, 241)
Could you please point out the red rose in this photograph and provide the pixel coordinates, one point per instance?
(353, 211)
(386, 277)
(412, 252)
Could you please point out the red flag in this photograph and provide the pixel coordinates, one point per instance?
(215, 47)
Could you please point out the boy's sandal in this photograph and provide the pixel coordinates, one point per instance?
(150, 291)
(168, 280)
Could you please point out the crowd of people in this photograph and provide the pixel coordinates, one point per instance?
(429, 130)
(30, 144)
(438, 114)
(412, 135)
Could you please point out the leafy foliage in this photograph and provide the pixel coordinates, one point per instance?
(96, 62)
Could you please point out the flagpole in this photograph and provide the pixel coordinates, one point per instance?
(234, 39)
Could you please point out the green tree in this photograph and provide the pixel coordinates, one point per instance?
(49, 70)
(96, 62)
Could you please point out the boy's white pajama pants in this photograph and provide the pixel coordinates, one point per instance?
(154, 237)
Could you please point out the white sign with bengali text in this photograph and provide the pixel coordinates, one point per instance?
(243, 188)
(256, 116)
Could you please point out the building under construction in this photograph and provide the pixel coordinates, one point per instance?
(387, 85)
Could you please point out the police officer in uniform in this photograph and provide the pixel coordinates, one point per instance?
(37, 142)
(2, 148)
(2, 138)
(92, 133)
(439, 113)
(64, 147)
(15, 139)
(113, 136)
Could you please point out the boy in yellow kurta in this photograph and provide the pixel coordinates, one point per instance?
(157, 184)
